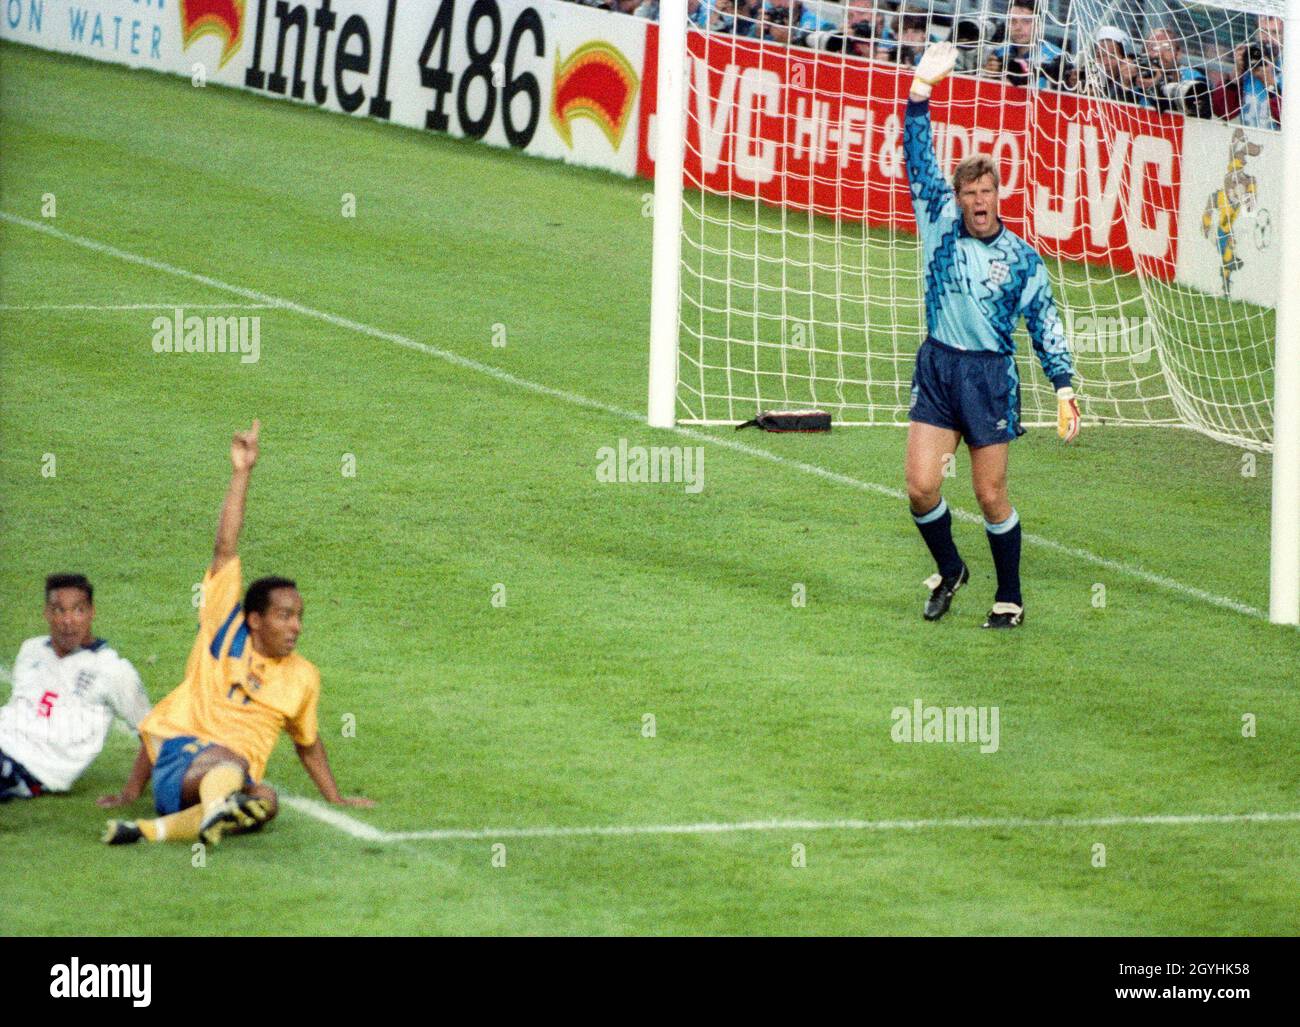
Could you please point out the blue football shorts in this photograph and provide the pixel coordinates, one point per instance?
(974, 392)
(174, 759)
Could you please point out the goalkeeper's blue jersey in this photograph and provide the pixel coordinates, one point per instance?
(976, 290)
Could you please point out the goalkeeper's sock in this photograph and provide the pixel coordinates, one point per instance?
(936, 528)
(176, 827)
(1004, 541)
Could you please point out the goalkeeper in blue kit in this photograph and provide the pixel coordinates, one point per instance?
(979, 280)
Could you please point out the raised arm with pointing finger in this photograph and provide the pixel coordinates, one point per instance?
(243, 456)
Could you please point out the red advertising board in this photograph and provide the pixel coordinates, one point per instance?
(1083, 179)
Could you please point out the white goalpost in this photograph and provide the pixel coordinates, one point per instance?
(1160, 186)
(1284, 558)
(670, 148)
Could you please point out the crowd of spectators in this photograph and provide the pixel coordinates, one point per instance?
(1240, 82)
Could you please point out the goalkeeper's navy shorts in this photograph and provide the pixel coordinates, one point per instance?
(975, 392)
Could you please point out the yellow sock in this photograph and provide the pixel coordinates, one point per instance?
(218, 783)
(221, 781)
(176, 827)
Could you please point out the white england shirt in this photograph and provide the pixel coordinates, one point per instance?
(61, 710)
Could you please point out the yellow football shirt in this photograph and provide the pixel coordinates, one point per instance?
(232, 695)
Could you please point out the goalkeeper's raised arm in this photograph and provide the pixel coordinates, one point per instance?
(979, 280)
(933, 201)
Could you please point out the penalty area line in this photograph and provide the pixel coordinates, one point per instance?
(365, 832)
(1129, 570)
(333, 818)
(362, 831)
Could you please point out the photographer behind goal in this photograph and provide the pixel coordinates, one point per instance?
(1169, 79)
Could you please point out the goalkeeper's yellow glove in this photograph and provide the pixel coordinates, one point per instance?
(936, 64)
(1067, 414)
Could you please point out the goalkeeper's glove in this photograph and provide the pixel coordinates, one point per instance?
(1067, 414)
(936, 64)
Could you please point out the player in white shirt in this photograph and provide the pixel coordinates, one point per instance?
(68, 687)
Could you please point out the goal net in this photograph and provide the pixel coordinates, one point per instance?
(1139, 155)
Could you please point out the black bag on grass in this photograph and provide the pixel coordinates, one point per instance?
(790, 420)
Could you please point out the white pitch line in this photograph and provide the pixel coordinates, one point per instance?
(364, 832)
(332, 817)
(136, 306)
(1074, 552)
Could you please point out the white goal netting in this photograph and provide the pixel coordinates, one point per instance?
(1137, 145)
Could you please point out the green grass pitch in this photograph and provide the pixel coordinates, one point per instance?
(621, 599)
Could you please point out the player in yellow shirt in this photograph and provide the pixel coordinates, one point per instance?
(209, 740)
